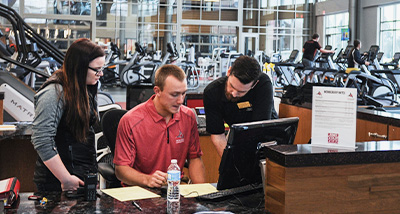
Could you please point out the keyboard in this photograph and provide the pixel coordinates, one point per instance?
(222, 194)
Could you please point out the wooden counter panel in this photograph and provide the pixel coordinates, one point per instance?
(394, 132)
(339, 170)
(364, 127)
(17, 159)
(210, 159)
(303, 134)
(367, 188)
(275, 175)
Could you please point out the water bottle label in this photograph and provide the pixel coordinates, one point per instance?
(174, 175)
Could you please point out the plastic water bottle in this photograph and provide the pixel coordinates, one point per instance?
(174, 180)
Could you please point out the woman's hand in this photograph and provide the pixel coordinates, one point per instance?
(71, 183)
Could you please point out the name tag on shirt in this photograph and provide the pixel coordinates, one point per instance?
(244, 105)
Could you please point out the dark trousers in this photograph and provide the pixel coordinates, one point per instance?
(48, 187)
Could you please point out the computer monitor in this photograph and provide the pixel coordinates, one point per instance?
(240, 161)
(136, 94)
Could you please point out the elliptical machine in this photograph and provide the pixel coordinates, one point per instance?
(135, 72)
(373, 89)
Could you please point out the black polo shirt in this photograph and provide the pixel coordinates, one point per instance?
(256, 105)
(310, 48)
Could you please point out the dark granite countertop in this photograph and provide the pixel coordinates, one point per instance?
(23, 131)
(302, 155)
(59, 203)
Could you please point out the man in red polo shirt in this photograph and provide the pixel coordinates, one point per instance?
(154, 132)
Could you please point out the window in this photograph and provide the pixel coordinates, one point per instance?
(333, 30)
(206, 38)
(389, 33)
(281, 25)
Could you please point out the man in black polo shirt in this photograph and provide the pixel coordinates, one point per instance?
(245, 95)
(310, 49)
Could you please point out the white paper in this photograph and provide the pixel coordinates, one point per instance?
(334, 117)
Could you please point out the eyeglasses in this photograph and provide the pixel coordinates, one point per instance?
(97, 70)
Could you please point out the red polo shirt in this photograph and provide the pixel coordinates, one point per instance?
(146, 143)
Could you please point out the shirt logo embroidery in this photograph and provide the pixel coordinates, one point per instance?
(180, 138)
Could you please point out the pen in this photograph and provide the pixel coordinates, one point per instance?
(136, 205)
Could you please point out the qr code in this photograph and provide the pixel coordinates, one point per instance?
(333, 138)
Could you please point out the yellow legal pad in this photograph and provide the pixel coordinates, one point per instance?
(194, 190)
(129, 193)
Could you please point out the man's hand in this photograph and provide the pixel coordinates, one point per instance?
(219, 141)
(157, 179)
(131, 176)
(366, 63)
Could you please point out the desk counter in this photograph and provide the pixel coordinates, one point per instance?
(23, 131)
(309, 179)
(59, 203)
(302, 155)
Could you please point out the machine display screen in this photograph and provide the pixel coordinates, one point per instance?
(200, 111)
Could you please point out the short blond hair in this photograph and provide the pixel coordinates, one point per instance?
(166, 70)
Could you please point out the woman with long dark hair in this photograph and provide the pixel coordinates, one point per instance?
(355, 59)
(65, 111)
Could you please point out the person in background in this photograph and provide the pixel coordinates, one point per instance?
(245, 95)
(65, 112)
(354, 60)
(154, 132)
(310, 49)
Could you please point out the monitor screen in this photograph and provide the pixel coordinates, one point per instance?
(293, 55)
(136, 94)
(396, 57)
(379, 56)
(240, 161)
(200, 111)
(373, 51)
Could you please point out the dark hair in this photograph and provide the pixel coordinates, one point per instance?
(356, 43)
(246, 69)
(73, 80)
(315, 36)
(166, 70)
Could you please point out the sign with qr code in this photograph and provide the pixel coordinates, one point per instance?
(334, 116)
(333, 138)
